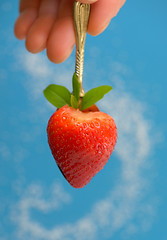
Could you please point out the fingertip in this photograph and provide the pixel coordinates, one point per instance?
(39, 33)
(61, 40)
(24, 22)
(96, 30)
(34, 42)
(59, 58)
(105, 11)
(19, 31)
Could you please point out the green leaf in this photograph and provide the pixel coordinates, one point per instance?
(76, 87)
(58, 95)
(94, 95)
(74, 102)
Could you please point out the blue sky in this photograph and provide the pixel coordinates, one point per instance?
(127, 199)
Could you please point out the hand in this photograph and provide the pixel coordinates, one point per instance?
(49, 24)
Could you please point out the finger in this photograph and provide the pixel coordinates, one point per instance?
(62, 38)
(24, 22)
(102, 12)
(25, 4)
(66, 8)
(28, 14)
(49, 7)
(38, 33)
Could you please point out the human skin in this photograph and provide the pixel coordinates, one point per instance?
(48, 24)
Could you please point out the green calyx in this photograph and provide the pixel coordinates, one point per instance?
(60, 96)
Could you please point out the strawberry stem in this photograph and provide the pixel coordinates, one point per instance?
(81, 16)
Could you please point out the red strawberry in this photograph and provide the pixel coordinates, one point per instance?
(81, 143)
(81, 137)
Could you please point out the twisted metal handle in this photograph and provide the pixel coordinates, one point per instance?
(81, 13)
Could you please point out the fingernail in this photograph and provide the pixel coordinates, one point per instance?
(105, 25)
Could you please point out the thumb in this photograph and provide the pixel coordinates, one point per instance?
(87, 1)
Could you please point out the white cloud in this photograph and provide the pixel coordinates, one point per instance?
(41, 73)
(125, 201)
(35, 198)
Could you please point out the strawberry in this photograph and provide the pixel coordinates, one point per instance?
(81, 137)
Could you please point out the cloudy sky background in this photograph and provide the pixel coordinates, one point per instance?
(127, 199)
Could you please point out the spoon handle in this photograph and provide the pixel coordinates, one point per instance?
(81, 13)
